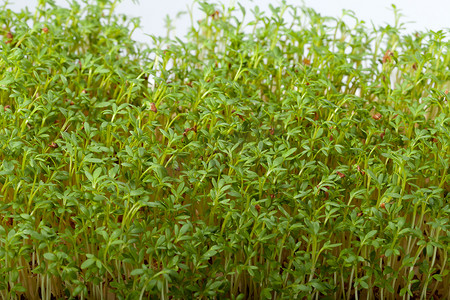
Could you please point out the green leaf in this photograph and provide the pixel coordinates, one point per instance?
(137, 272)
(50, 256)
(87, 263)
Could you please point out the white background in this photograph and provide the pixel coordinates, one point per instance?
(418, 15)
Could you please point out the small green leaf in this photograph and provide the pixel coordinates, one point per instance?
(87, 263)
(50, 256)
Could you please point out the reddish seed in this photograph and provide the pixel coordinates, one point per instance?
(331, 138)
(360, 170)
(72, 103)
(153, 107)
(446, 92)
(258, 208)
(272, 131)
(340, 174)
(10, 37)
(382, 205)
(53, 145)
(45, 30)
(306, 62)
(215, 15)
(382, 135)
(387, 56)
(6, 107)
(359, 214)
(377, 116)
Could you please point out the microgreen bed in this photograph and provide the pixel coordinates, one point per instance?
(253, 159)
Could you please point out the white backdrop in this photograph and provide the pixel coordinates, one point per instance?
(428, 14)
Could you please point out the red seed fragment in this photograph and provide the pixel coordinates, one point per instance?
(6, 107)
(272, 131)
(153, 107)
(359, 214)
(9, 37)
(387, 56)
(258, 208)
(53, 145)
(306, 61)
(377, 116)
(360, 170)
(382, 205)
(340, 174)
(45, 30)
(215, 15)
(446, 92)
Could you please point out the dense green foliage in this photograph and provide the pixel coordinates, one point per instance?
(268, 159)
